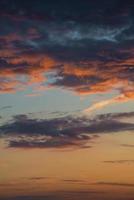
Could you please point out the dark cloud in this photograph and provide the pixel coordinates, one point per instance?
(47, 197)
(74, 181)
(38, 178)
(117, 116)
(119, 161)
(54, 143)
(24, 132)
(73, 10)
(78, 194)
(115, 184)
(87, 45)
(5, 107)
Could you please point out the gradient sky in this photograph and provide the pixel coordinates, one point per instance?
(66, 100)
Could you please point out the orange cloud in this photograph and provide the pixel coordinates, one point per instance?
(20, 69)
(120, 98)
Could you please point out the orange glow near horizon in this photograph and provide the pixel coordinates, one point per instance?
(64, 170)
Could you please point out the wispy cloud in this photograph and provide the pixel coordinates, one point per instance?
(5, 108)
(75, 181)
(119, 99)
(121, 184)
(38, 178)
(119, 161)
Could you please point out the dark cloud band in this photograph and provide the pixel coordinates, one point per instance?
(64, 132)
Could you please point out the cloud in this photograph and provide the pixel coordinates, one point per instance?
(37, 178)
(60, 195)
(77, 181)
(54, 143)
(99, 105)
(61, 132)
(73, 194)
(115, 184)
(29, 197)
(5, 107)
(86, 51)
(119, 161)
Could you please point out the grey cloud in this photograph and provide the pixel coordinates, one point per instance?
(115, 184)
(51, 143)
(24, 132)
(116, 116)
(66, 41)
(119, 161)
(38, 178)
(74, 181)
(5, 107)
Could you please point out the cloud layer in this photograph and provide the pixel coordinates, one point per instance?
(68, 131)
(87, 51)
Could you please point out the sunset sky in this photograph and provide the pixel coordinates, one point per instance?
(66, 100)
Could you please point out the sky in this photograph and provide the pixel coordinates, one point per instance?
(66, 100)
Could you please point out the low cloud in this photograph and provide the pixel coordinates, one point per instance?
(115, 184)
(38, 178)
(62, 132)
(5, 108)
(119, 161)
(76, 181)
(127, 145)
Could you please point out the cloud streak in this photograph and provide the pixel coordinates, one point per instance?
(119, 99)
(119, 161)
(115, 184)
